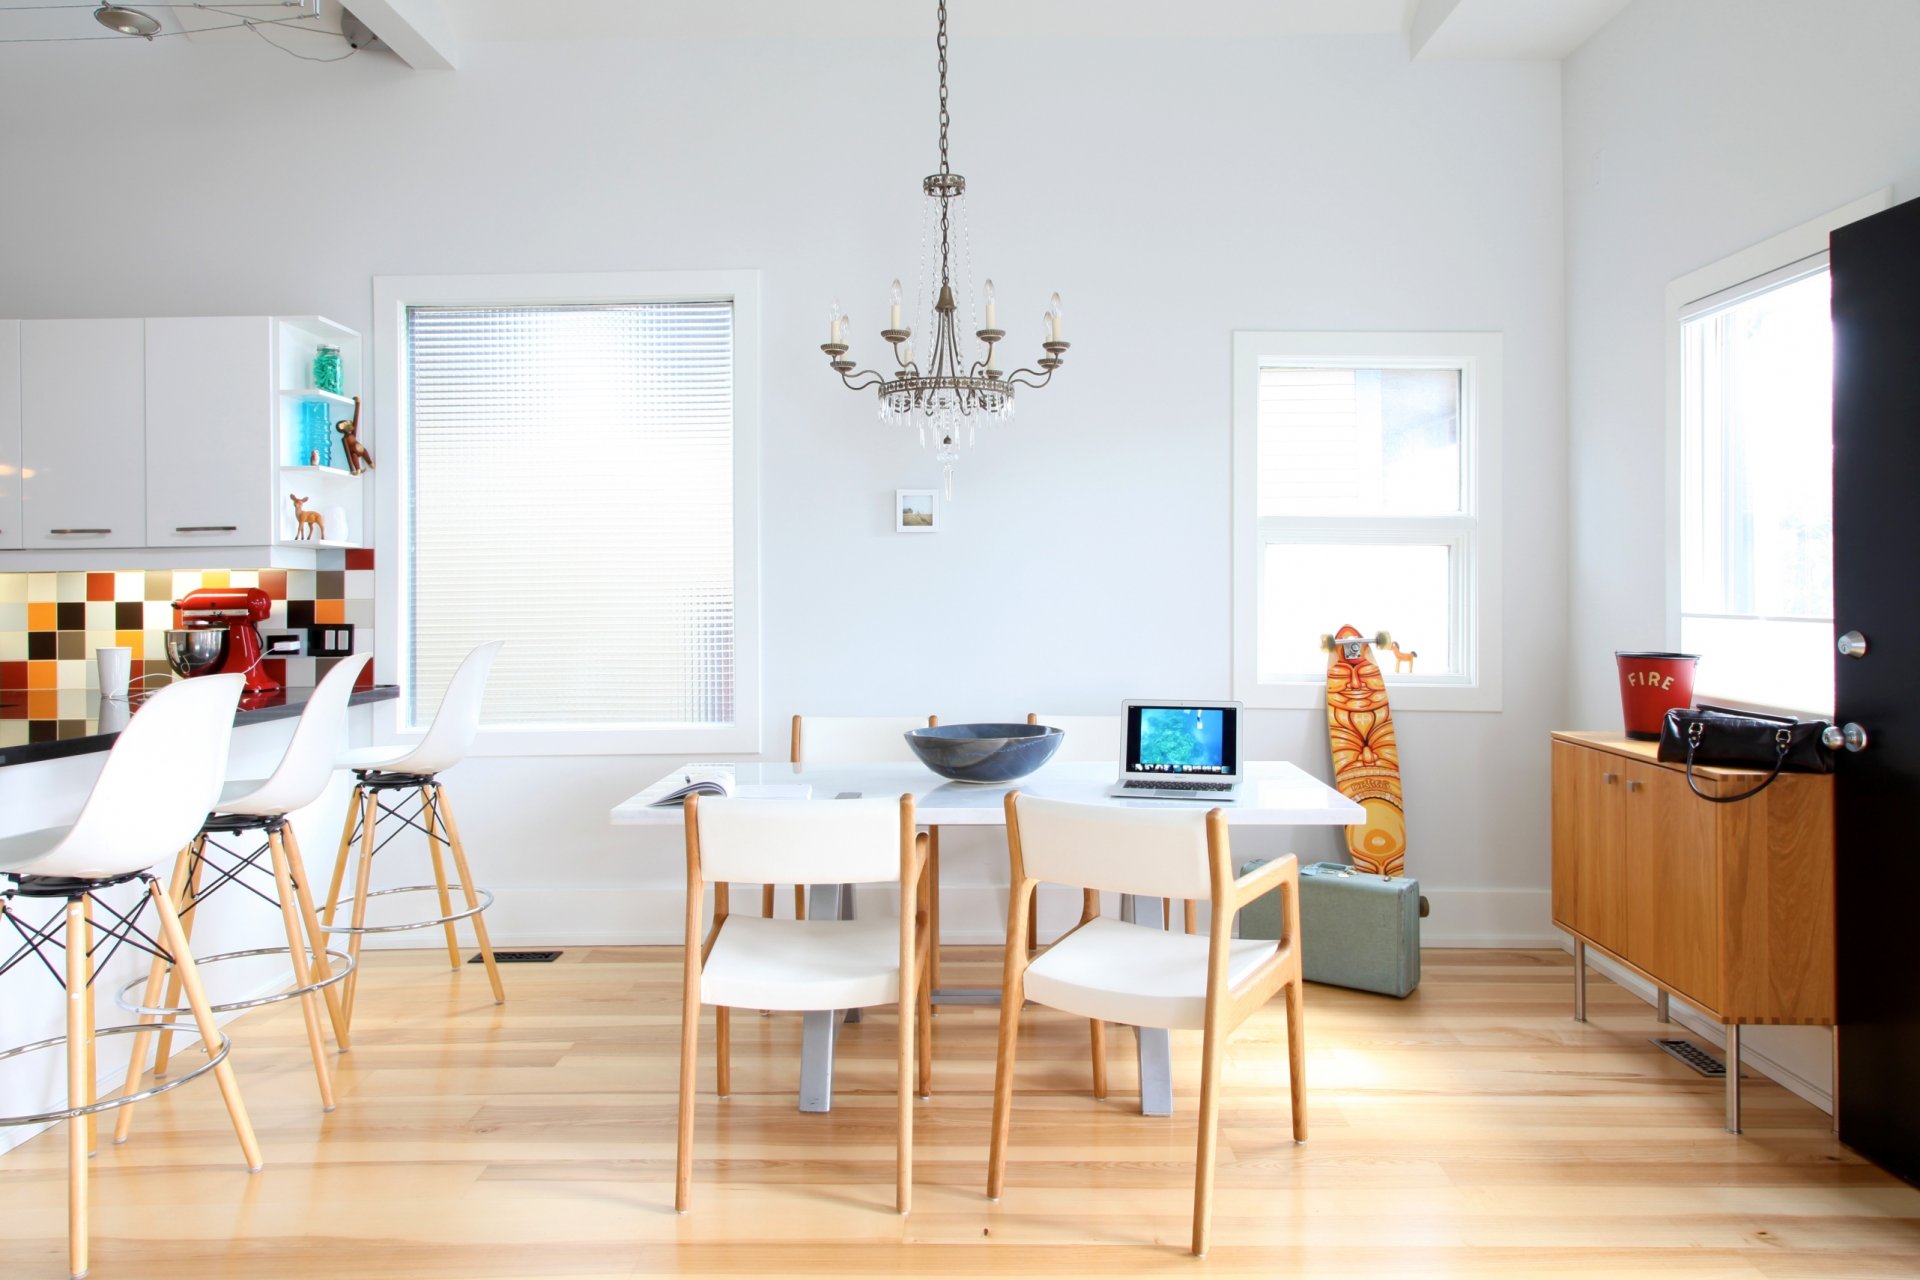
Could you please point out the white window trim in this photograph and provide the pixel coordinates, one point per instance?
(1749, 266)
(392, 295)
(1477, 577)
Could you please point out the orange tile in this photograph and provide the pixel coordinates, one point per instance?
(329, 611)
(42, 617)
(43, 675)
(43, 704)
(134, 640)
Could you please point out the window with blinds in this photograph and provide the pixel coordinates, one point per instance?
(1359, 503)
(571, 491)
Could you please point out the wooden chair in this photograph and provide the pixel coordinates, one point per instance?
(823, 740)
(1099, 738)
(1109, 971)
(755, 962)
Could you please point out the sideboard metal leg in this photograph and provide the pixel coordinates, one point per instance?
(1833, 1089)
(1579, 981)
(1733, 1077)
(1661, 1010)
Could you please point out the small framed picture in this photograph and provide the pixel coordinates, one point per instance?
(916, 511)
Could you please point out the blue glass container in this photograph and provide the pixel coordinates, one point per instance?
(316, 434)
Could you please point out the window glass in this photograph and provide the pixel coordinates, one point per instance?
(1313, 589)
(1359, 441)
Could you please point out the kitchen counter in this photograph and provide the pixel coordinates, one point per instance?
(86, 730)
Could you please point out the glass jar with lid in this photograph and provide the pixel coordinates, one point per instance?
(326, 369)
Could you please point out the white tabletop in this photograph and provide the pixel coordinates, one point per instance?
(1273, 794)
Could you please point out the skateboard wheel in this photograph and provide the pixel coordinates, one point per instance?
(1383, 638)
(1326, 643)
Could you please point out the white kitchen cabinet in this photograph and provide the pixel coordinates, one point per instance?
(83, 434)
(9, 434)
(210, 415)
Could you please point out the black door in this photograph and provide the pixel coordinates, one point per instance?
(1876, 592)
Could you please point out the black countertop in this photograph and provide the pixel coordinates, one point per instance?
(83, 732)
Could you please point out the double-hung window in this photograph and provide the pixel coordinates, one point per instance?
(1366, 495)
(1750, 344)
(576, 476)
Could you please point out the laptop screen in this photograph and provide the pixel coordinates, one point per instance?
(1183, 741)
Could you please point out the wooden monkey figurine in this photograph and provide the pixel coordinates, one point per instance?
(358, 459)
(310, 524)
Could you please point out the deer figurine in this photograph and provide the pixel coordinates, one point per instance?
(1402, 658)
(310, 524)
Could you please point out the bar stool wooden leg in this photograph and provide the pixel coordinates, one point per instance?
(440, 877)
(347, 833)
(363, 884)
(175, 938)
(297, 954)
(156, 982)
(77, 1091)
(322, 966)
(89, 1022)
(472, 895)
(184, 905)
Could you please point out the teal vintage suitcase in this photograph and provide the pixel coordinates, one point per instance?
(1356, 930)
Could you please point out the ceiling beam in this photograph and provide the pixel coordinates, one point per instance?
(416, 30)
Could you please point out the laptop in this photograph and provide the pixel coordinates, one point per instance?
(1179, 750)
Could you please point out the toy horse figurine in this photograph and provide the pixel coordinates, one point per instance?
(1402, 658)
(358, 459)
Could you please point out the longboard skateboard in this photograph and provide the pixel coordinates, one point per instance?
(1366, 758)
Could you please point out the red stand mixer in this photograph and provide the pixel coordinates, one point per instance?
(216, 632)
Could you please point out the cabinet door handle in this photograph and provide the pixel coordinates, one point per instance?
(1633, 784)
(1609, 778)
(206, 528)
(68, 531)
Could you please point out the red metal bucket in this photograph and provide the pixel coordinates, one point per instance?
(1652, 684)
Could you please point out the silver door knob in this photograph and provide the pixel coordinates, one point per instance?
(1849, 735)
(1852, 645)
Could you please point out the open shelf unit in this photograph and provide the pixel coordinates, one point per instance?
(327, 488)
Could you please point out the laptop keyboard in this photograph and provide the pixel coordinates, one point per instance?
(1176, 784)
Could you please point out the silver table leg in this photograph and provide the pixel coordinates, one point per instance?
(1152, 1047)
(1579, 981)
(1661, 1009)
(1733, 1077)
(820, 1029)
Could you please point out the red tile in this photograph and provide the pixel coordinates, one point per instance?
(360, 557)
(366, 674)
(13, 675)
(99, 586)
(274, 583)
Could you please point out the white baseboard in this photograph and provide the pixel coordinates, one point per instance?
(1819, 1093)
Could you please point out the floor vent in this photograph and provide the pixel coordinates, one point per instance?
(1701, 1060)
(522, 957)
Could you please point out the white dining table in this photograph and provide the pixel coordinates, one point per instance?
(1274, 793)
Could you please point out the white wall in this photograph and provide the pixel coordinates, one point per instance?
(1692, 131)
(1173, 190)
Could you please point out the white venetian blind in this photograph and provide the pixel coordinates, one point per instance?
(571, 492)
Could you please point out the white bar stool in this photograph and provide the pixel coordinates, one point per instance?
(159, 781)
(258, 805)
(416, 769)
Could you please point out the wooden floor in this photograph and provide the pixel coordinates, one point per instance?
(1473, 1130)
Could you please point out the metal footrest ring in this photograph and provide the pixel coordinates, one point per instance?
(486, 900)
(131, 1003)
(171, 1082)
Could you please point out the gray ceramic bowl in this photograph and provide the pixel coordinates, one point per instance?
(985, 752)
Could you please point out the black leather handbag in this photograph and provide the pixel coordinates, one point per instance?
(1730, 739)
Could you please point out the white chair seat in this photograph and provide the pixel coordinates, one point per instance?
(1132, 974)
(373, 757)
(757, 963)
(22, 850)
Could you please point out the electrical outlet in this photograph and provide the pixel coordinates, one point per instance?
(330, 640)
(285, 644)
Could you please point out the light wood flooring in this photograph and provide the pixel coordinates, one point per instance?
(1474, 1130)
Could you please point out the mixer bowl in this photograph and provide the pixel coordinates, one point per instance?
(193, 650)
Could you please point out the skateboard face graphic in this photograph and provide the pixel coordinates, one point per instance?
(1366, 758)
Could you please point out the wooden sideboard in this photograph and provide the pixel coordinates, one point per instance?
(1728, 906)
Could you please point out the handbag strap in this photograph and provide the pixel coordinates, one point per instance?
(1782, 738)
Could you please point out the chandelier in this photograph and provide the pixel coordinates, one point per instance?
(948, 394)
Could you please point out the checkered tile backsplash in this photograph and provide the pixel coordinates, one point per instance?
(50, 623)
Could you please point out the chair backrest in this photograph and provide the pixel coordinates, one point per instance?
(307, 766)
(1086, 737)
(1155, 853)
(798, 841)
(450, 736)
(161, 779)
(819, 740)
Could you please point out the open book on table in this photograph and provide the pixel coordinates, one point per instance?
(718, 780)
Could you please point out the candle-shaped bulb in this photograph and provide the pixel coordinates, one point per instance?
(893, 298)
(1053, 317)
(833, 321)
(986, 293)
(906, 353)
(893, 293)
